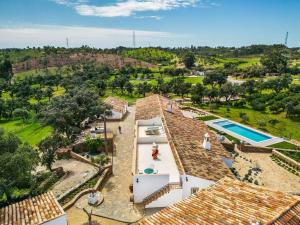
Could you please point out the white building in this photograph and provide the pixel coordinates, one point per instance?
(42, 209)
(118, 106)
(182, 166)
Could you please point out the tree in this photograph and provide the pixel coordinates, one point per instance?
(275, 60)
(38, 94)
(189, 60)
(278, 84)
(18, 161)
(22, 113)
(212, 94)
(49, 146)
(5, 69)
(129, 88)
(179, 87)
(198, 92)
(101, 85)
(120, 82)
(65, 113)
(143, 88)
(244, 117)
(215, 78)
(229, 91)
(49, 92)
(261, 124)
(93, 144)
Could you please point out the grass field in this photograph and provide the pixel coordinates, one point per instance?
(242, 62)
(31, 132)
(285, 127)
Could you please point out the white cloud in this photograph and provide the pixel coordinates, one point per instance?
(149, 17)
(40, 35)
(130, 7)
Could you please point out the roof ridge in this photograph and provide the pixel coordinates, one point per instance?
(170, 140)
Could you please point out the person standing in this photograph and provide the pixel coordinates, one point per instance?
(120, 129)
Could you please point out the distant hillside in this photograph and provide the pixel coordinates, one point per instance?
(151, 55)
(58, 60)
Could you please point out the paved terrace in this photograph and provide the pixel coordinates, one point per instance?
(117, 205)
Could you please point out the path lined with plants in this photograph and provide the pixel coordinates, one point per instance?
(117, 205)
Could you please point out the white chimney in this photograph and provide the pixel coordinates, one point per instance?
(206, 143)
(170, 107)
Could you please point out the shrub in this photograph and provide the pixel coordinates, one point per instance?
(244, 117)
(261, 123)
(258, 105)
(93, 144)
(239, 104)
(101, 159)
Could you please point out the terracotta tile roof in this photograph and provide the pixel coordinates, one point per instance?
(152, 106)
(231, 202)
(185, 137)
(33, 211)
(116, 103)
(147, 108)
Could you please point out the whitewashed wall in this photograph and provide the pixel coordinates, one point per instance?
(147, 184)
(115, 115)
(156, 121)
(189, 182)
(168, 199)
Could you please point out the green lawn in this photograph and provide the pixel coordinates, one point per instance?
(31, 132)
(207, 118)
(284, 128)
(284, 145)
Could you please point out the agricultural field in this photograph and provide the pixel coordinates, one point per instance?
(31, 131)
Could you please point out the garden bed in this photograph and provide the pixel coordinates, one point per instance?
(89, 184)
(292, 154)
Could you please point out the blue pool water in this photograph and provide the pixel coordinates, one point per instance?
(243, 131)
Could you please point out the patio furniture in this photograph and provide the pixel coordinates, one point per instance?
(152, 130)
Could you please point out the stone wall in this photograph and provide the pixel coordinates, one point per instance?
(254, 149)
(81, 147)
(105, 173)
(82, 159)
(228, 146)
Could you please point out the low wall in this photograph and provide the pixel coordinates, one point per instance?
(82, 159)
(105, 173)
(254, 149)
(78, 196)
(228, 146)
(286, 159)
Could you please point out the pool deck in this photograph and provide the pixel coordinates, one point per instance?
(271, 141)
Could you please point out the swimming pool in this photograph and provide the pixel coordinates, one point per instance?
(242, 131)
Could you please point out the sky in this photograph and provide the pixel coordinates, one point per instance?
(166, 23)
